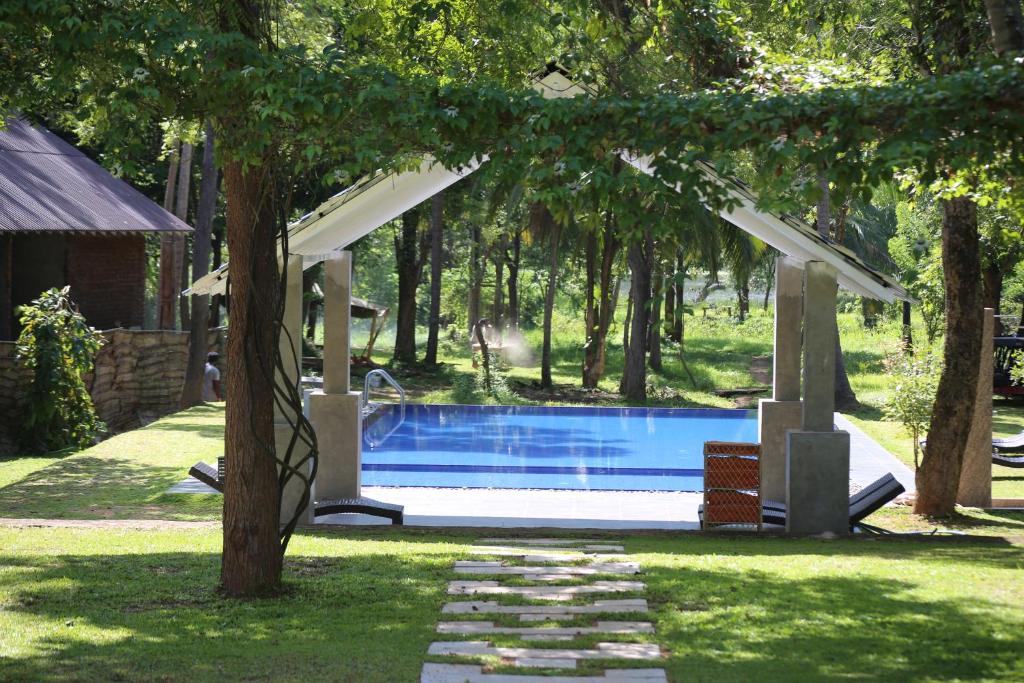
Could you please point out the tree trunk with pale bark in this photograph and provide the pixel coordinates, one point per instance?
(170, 269)
(939, 475)
(192, 392)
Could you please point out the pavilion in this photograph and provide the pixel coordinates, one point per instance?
(805, 461)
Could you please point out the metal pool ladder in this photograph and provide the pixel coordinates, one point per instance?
(372, 381)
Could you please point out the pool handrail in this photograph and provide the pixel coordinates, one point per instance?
(370, 407)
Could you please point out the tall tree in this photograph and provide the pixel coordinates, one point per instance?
(436, 267)
(845, 398)
(192, 391)
(181, 256)
(634, 372)
(170, 269)
(410, 253)
(543, 223)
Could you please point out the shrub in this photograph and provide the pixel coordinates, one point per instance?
(59, 347)
(916, 378)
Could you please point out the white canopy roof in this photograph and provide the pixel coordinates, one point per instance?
(382, 197)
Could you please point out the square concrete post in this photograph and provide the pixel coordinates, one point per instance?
(290, 345)
(819, 347)
(818, 458)
(976, 473)
(336, 411)
(337, 315)
(784, 410)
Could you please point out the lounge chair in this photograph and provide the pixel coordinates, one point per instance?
(367, 506)
(1007, 460)
(1009, 444)
(863, 503)
(208, 475)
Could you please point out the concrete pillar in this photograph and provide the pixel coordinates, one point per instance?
(976, 473)
(337, 315)
(783, 411)
(336, 412)
(818, 458)
(819, 346)
(290, 345)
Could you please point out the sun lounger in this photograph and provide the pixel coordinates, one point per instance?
(367, 506)
(1008, 460)
(208, 475)
(866, 501)
(1009, 444)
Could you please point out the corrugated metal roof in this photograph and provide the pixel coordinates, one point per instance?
(46, 185)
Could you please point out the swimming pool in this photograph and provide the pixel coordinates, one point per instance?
(529, 447)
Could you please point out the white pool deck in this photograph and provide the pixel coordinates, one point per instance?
(530, 508)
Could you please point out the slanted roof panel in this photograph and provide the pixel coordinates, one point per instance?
(46, 185)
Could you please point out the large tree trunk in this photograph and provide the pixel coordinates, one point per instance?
(541, 213)
(1007, 23)
(939, 475)
(436, 255)
(654, 325)
(634, 371)
(192, 392)
(170, 270)
(596, 349)
(181, 211)
(407, 263)
(251, 560)
(513, 282)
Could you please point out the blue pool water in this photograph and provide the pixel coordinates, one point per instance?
(632, 449)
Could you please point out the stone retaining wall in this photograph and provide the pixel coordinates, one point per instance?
(138, 378)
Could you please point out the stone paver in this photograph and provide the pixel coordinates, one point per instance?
(543, 592)
(538, 612)
(573, 553)
(497, 569)
(473, 673)
(591, 544)
(483, 648)
(488, 627)
(582, 550)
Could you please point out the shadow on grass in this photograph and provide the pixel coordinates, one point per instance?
(157, 617)
(90, 486)
(369, 617)
(752, 625)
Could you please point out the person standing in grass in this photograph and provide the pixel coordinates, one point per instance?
(211, 378)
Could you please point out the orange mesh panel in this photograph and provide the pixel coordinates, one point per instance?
(731, 507)
(731, 472)
(731, 448)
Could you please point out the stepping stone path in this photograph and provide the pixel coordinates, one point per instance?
(530, 560)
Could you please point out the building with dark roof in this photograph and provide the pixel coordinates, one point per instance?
(65, 220)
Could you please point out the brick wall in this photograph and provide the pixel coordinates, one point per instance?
(107, 274)
(138, 377)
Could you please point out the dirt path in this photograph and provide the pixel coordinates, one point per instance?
(144, 524)
(761, 372)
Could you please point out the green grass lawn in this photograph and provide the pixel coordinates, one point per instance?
(102, 605)
(123, 477)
